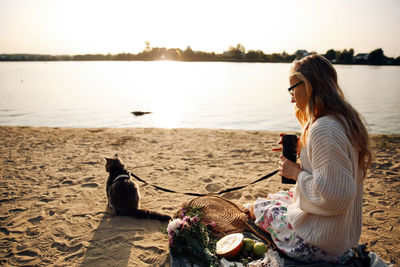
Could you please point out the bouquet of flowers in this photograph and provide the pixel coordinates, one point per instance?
(190, 238)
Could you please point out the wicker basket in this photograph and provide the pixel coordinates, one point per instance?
(227, 216)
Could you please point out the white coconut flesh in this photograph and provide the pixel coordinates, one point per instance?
(229, 243)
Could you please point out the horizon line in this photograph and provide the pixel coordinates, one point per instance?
(204, 51)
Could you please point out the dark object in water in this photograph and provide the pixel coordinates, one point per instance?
(140, 113)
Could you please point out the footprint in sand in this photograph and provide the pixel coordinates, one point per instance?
(375, 213)
(149, 258)
(214, 187)
(16, 211)
(136, 237)
(31, 232)
(45, 199)
(36, 220)
(90, 162)
(4, 231)
(25, 258)
(96, 130)
(67, 249)
(89, 179)
(78, 254)
(90, 185)
(152, 255)
(249, 197)
(384, 165)
(67, 182)
(207, 180)
(375, 194)
(114, 240)
(232, 195)
(28, 252)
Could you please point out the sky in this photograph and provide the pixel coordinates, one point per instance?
(61, 27)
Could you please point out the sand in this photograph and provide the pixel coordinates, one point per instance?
(53, 202)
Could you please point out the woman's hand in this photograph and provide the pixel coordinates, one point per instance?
(288, 168)
(279, 143)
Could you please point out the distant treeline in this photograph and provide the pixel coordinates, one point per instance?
(236, 53)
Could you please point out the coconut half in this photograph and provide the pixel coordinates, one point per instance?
(230, 245)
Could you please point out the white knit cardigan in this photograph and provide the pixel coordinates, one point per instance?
(327, 203)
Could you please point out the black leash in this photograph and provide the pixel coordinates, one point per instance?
(200, 195)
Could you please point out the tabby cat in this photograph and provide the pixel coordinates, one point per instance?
(123, 194)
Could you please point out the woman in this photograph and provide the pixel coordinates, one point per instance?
(320, 218)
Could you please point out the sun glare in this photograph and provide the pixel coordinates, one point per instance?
(170, 97)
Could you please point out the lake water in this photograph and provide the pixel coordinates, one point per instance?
(217, 95)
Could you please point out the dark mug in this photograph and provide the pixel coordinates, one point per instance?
(289, 143)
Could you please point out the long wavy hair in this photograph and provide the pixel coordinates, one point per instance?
(325, 97)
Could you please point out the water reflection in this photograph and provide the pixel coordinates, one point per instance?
(249, 96)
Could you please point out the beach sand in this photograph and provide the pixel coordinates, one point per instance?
(53, 202)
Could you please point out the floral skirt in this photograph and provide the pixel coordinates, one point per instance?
(271, 217)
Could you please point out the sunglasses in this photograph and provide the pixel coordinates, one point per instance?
(290, 89)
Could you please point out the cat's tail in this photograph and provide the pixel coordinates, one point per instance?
(148, 214)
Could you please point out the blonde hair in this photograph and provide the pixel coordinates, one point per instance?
(324, 97)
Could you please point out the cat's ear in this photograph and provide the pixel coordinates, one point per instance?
(107, 159)
(116, 156)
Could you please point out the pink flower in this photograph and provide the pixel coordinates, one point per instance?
(195, 219)
(182, 212)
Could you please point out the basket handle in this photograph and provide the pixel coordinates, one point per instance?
(263, 237)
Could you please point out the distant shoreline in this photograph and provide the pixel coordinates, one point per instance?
(234, 54)
(228, 61)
